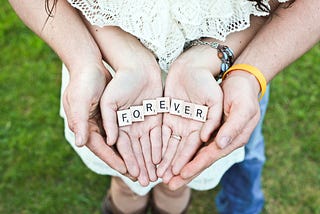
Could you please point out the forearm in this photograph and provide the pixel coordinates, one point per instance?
(290, 33)
(65, 33)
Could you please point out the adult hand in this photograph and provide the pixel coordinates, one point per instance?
(241, 115)
(190, 79)
(81, 104)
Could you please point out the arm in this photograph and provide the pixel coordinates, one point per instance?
(278, 43)
(67, 35)
(195, 69)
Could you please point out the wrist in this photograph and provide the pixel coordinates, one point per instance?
(254, 83)
(223, 55)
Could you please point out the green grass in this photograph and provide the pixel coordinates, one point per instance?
(40, 173)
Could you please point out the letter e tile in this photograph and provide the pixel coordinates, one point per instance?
(187, 110)
(163, 104)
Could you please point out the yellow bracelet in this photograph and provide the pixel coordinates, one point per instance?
(253, 70)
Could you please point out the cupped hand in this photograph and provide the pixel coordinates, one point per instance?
(190, 79)
(241, 115)
(81, 104)
(137, 78)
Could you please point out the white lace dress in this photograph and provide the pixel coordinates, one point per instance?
(165, 26)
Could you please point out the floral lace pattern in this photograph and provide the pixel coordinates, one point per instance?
(166, 26)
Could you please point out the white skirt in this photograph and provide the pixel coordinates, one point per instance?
(208, 179)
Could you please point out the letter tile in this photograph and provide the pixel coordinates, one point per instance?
(163, 104)
(149, 107)
(137, 113)
(200, 113)
(176, 107)
(124, 117)
(187, 110)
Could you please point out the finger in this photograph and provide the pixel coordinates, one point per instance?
(143, 177)
(188, 150)
(146, 150)
(168, 156)
(98, 146)
(211, 153)
(204, 158)
(177, 182)
(126, 152)
(77, 113)
(166, 133)
(156, 144)
(238, 118)
(213, 121)
(109, 116)
(167, 175)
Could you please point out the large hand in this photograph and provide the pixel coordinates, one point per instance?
(81, 103)
(190, 79)
(241, 114)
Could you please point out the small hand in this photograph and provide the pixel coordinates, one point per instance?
(130, 88)
(137, 78)
(190, 79)
(241, 114)
(81, 103)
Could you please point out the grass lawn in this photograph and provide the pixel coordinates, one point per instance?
(40, 173)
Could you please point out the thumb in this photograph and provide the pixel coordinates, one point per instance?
(77, 112)
(233, 126)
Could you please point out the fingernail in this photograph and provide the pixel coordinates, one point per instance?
(79, 140)
(224, 142)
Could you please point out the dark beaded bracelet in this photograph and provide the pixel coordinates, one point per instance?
(225, 54)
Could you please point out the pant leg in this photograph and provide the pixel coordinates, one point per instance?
(241, 191)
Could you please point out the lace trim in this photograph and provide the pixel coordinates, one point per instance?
(166, 26)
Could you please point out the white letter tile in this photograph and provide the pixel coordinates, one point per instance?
(187, 110)
(137, 113)
(149, 107)
(200, 113)
(124, 117)
(163, 104)
(176, 107)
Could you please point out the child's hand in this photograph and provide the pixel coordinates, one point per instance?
(190, 79)
(137, 78)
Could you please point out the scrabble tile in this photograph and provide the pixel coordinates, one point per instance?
(137, 113)
(149, 107)
(200, 113)
(187, 110)
(163, 104)
(176, 107)
(124, 117)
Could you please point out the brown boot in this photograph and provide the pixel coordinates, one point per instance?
(126, 200)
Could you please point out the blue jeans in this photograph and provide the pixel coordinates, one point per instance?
(241, 191)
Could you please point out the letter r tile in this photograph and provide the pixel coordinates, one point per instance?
(124, 117)
(200, 113)
(149, 107)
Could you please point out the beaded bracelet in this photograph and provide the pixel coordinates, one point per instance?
(254, 71)
(225, 54)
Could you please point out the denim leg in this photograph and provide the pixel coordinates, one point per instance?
(241, 191)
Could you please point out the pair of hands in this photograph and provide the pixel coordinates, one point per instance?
(93, 97)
